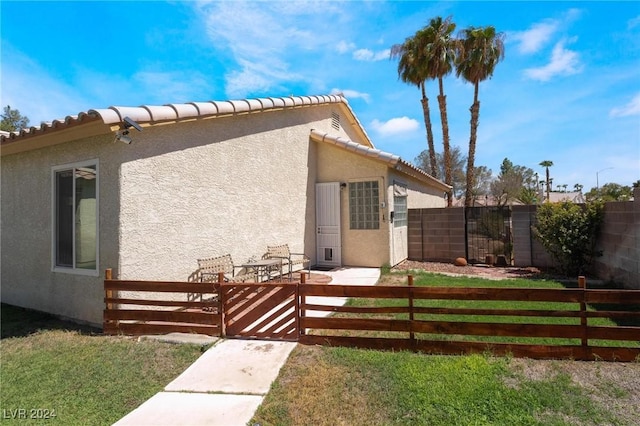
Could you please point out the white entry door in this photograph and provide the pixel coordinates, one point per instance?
(328, 240)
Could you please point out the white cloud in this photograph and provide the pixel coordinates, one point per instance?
(395, 126)
(533, 39)
(352, 94)
(563, 62)
(258, 77)
(344, 47)
(31, 83)
(178, 86)
(630, 109)
(370, 55)
(265, 41)
(541, 33)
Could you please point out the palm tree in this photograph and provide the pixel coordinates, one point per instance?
(546, 164)
(481, 50)
(441, 54)
(412, 70)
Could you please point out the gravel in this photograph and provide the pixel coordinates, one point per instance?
(482, 271)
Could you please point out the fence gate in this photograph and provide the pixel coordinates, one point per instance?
(261, 311)
(488, 235)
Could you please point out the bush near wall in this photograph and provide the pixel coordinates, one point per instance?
(569, 232)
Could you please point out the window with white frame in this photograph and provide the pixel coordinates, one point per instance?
(399, 204)
(364, 201)
(75, 217)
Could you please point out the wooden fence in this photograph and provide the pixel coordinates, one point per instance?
(405, 327)
(152, 307)
(402, 325)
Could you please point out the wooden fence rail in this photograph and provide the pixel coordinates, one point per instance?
(281, 311)
(159, 307)
(412, 327)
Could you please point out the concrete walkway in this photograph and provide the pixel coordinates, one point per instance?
(227, 384)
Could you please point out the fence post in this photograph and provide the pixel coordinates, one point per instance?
(222, 297)
(584, 341)
(412, 337)
(108, 276)
(303, 301)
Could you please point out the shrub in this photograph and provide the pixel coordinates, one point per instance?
(568, 232)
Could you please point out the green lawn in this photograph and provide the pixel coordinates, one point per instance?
(344, 386)
(341, 386)
(78, 375)
(435, 280)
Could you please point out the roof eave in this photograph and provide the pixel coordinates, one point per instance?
(391, 160)
(104, 121)
(45, 136)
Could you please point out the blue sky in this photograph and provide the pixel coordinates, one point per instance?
(567, 91)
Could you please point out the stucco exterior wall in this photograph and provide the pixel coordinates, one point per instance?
(26, 215)
(370, 247)
(230, 185)
(418, 196)
(179, 192)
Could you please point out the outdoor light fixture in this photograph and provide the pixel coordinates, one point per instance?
(123, 134)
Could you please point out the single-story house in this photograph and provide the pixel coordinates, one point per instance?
(195, 180)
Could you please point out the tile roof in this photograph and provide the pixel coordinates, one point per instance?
(173, 112)
(391, 159)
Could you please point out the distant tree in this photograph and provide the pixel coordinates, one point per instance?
(546, 164)
(481, 50)
(457, 161)
(514, 183)
(577, 187)
(12, 120)
(528, 196)
(610, 192)
(482, 178)
(636, 184)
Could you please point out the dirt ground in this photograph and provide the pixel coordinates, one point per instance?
(481, 271)
(612, 384)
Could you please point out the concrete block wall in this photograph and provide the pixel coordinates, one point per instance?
(620, 243)
(521, 221)
(439, 235)
(527, 250)
(436, 234)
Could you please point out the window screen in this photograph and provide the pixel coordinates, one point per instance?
(75, 217)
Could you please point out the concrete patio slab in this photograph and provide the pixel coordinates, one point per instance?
(235, 366)
(193, 409)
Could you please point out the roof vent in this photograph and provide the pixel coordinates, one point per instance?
(335, 120)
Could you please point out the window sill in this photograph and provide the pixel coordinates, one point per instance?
(71, 271)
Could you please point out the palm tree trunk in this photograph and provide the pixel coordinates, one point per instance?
(475, 118)
(427, 123)
(442, 103)
(548, 184)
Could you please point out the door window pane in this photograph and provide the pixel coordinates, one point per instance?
(399, 211)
